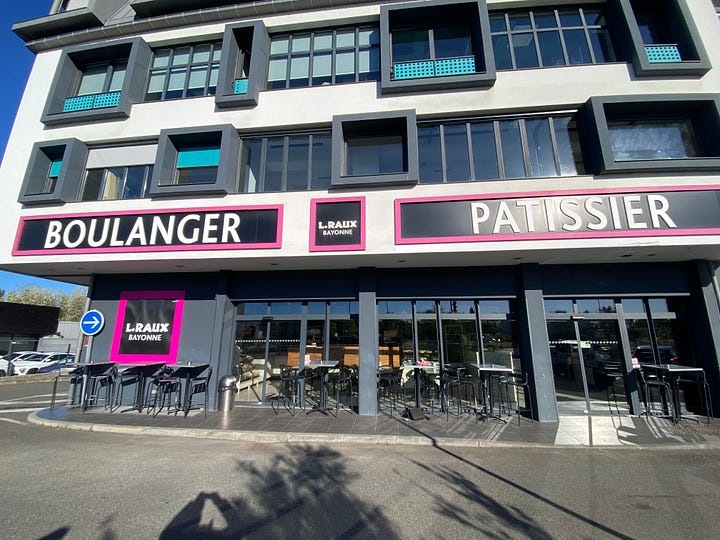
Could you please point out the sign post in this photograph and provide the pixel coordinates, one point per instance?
(91, 323)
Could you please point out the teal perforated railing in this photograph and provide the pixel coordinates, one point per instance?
(92, 101)
(657, 54)
(240, 86)
(434, 68)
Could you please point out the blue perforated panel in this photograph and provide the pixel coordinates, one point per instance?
(111, 99)
(455, 66)
(414, 70)
(78, 103)
(240, 86)
(662, 53)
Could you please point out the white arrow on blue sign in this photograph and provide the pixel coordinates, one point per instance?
(92, 322)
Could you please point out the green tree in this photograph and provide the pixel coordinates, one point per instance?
(71, 305)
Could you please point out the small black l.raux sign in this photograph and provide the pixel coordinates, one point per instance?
(251, 227)
(337, 224)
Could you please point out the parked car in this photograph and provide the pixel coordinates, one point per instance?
(644, 354)
(42, 363)
(19, 355)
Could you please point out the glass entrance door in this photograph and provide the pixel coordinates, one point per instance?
(588, 366)
(261, 347)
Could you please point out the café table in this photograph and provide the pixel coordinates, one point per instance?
(324, 367)
(673, 372)
(417, 369)
(485, 371)
(142, 372)
(188, 372)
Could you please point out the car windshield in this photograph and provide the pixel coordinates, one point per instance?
(34, 358)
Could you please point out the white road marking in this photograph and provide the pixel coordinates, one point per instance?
(27, 409)
(13, 421)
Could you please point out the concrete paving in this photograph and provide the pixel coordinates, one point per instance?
(262, 424)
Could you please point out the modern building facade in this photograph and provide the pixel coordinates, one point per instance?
(250, 184)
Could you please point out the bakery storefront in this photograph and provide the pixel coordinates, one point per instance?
(573, 328)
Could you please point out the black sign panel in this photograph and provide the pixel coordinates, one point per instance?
(338, 224)
(592, 215)
(226, 228)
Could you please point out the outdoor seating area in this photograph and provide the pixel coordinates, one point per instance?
(671, 389)
(149, 388)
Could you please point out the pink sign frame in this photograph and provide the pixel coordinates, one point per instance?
(313, 216)
(178, 297)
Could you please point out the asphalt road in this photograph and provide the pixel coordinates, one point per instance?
(72, 484)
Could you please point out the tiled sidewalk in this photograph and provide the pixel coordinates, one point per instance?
(263, 424)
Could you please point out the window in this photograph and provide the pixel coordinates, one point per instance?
(502, 148)
(287, 163)
(550, 37)
(659, 132)
(243, 64)
(653, 139)
(435, 44)
(116, 183)
(659, 38)
(201, 160)
(186, 71)
(197, 164)
(54, 172)
(375, 148)
(95, 83)
(323, 57)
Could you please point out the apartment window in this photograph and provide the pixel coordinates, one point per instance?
(102, 78)
(287, 163)
(378, 148)
(97, 83)
(54, 172)
(435, 44)
(660, 132)
(323, 57)
(193, 161)
(115, 183)
(186, 71)
(550, 37)
(503, 148)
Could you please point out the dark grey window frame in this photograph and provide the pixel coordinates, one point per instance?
(241, 41)
(431, 13)
(702, 109)
(680, 24)
(334, 50)
(344, 126)
(499, 148)
(535, 31)
(67, 78)
(171, 141)
(263, 161)
(73, 153)
(208, 89)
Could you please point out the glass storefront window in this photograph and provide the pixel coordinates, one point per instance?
(344, 308)
(457, 306)
(494, 307)
(285, 308)
(558, 306)
(596, 305)
(396, 342)
(425, 306)
(252, 308)
(633, 305)
(394, 307)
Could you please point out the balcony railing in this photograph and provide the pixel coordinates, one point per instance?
(91, 101)
(658, 54)
(434, 68)
(240, 86)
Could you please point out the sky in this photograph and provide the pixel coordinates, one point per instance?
(16, 68)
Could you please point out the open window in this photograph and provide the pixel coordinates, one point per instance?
(659, 38)
(652, 133)
(243, 68)
(54, 172)
(97, 83)
(375, 149)
(434, 45)
(196, 161)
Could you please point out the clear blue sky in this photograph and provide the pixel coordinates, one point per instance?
(16, 68)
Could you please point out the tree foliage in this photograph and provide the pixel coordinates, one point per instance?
(72, 305)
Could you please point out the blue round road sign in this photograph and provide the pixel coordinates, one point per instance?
(92, 322)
